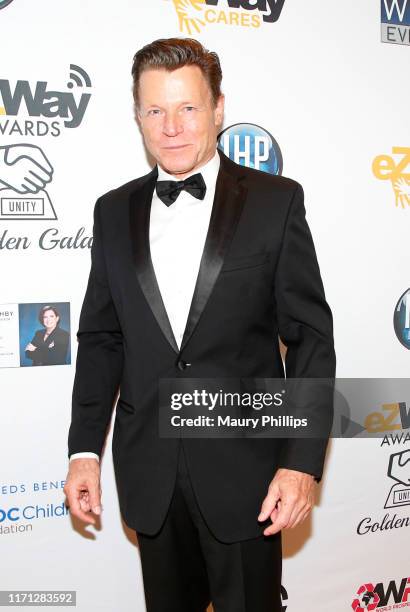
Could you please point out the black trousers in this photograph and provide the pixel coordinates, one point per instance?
(185, 567)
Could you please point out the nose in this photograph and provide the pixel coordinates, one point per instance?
(172, 124)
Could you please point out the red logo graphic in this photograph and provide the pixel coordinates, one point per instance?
(368, 599)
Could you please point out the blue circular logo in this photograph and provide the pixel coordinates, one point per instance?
(250, 145)
(4, 3)
(401, 319)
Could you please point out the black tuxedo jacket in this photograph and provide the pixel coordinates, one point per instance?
(258, 278)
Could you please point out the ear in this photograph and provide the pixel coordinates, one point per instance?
(219, 110)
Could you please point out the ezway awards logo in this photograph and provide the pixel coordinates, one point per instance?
(47, 108)
(395, 21)
(386, 168)
(193, 15)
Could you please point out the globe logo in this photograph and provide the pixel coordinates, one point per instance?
(401, 319)
(4, 3)
(250, 145)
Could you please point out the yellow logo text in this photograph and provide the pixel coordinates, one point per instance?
(386, 168)
(193, 15)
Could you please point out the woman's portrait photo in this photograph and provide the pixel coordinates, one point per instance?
(50, 343)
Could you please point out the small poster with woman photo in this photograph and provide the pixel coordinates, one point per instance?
(45, 334)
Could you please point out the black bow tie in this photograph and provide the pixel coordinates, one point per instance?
(168, 191)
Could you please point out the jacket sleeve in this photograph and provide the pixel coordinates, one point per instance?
(99, 358)
(33, 341)
(305, 325)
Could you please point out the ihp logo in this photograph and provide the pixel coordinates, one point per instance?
(401, 319)
(395, 21)
(250, 145)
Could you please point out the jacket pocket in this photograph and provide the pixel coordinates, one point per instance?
(245, 261)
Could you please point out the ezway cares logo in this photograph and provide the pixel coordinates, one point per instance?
(395, 21)
(193, 15)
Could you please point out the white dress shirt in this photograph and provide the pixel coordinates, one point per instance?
(177, 237)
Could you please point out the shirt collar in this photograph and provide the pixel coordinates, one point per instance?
(209, 171)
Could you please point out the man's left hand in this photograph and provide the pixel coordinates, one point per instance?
(289, 500)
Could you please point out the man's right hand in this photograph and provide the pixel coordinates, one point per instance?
(83, 489)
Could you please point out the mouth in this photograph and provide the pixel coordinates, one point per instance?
(176, 147)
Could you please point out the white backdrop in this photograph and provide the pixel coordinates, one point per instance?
(334, 97)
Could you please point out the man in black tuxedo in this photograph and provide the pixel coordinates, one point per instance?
(198, 268)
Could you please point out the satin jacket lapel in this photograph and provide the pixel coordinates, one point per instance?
(140, 208)
(227, 207)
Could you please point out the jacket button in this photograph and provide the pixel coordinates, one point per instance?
(182, 365)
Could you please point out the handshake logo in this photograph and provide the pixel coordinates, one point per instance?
(399, 470)
(24, 174)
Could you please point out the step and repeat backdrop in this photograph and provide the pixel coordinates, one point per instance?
(316, 91)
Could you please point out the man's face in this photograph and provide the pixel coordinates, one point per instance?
(178, 120)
